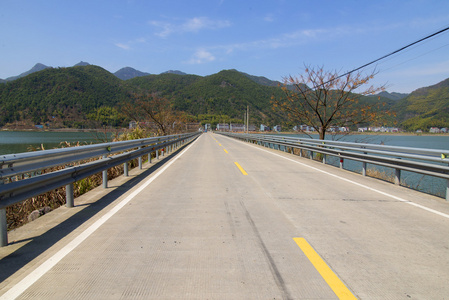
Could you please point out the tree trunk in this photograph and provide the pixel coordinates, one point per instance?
(322, 133)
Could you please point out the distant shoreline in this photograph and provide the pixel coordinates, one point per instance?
(258, 132)
(63, 130)
(372, 133)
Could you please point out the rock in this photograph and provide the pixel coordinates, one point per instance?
(34, 215)
(38, 212)
(44, 210)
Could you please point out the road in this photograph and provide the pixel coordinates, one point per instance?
(229, 220)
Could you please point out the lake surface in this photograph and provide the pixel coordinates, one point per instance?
(423, 183)
(416, 141)
(21, 141)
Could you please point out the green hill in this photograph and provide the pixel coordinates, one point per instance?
(68, 94)
(90, 96)
(228, 92)
(425, 107)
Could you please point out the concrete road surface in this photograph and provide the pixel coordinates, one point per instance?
(230, 220)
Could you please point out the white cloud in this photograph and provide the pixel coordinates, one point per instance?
(201, 56)
(191, 25)
(269, 18)
(123, 46)
(166, 28)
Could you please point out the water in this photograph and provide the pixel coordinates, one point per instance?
(416, 141)
(427, 184)
(21, 141)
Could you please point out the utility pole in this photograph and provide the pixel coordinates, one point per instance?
(247, 118)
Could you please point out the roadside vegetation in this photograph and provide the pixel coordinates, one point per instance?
(25, 211)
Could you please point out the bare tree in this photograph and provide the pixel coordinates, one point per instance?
(324, 100)
(156, 112)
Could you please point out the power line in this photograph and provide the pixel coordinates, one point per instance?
(390, 54)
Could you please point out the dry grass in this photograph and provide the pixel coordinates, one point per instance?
(382, 175)
(17, 214)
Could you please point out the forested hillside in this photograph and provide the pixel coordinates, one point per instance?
(424, 108)
(228, 92)
(65, 94)
(89, 96)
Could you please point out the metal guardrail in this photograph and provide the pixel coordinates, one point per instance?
(32, 163)
(432, 162)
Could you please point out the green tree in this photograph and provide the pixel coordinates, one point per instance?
(106, 116)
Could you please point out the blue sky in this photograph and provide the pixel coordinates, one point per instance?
(265, 38)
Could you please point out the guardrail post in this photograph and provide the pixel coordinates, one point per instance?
(341, 162)
(69, 201)
(447, 190)
(324, 158)
(397, 176)
(157, 154)
(125, 169)
(105, 175)
(3, 228)
(364, 166)
(140, 161)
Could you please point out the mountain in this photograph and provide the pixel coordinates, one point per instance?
(392, 96)
(64, 94)
(228, 92)
(128, 73)
(73, 96)
(82, 64)
(262, 80)
(37, 67)
(425, 107)
(174, 72)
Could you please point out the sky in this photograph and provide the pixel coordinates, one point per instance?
(266, 38)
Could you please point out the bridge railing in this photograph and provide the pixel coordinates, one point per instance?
(21, 175)
(432, 162)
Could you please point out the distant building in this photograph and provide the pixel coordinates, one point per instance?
(192, 126)
(383, 129)
(277, 128)
(223, 127)
(241, 127)
(264, 127)
(435, 130)
(237, 127)
(305, 128)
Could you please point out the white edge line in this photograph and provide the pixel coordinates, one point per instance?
(31, 278)
(356, 183)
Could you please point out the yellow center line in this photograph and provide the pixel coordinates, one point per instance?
(240, 168)
(225, 150)
(332, 280)
(219, 144)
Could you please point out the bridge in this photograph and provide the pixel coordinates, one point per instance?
(224, 219)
